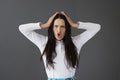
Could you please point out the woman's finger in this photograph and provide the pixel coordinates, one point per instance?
(64, 14)
(68, 18)
(55, 14)
(51, 18)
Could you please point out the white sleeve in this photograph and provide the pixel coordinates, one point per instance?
(28, 31)
(90, 30)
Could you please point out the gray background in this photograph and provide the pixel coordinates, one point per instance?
(100, 56)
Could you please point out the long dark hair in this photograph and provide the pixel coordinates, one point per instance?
(70, 49)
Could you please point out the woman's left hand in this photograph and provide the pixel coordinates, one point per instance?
(70, 21)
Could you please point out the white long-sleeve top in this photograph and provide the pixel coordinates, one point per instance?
(61, 70)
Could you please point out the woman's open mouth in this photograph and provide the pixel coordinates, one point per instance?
(59, 35)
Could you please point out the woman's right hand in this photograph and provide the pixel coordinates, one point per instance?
(47, 24)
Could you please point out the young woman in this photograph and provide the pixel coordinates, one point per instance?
(59, 50)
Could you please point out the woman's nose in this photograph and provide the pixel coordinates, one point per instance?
(59, 29)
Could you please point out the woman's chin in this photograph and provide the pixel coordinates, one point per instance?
(59, 39)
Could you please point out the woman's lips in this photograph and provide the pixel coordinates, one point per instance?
(58, 34)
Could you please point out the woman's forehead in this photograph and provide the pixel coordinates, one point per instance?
(59, 22)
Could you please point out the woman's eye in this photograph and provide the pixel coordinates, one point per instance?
(56, 26)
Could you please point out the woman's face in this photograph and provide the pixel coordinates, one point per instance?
(59, 29)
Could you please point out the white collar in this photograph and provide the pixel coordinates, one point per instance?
(59, 41)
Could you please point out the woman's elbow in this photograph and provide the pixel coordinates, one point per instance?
(98, 27)
(21, 27)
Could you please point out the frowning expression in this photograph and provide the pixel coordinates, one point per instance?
(59, 29)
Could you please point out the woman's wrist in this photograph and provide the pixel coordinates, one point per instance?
(76, 25)
(43, 25)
